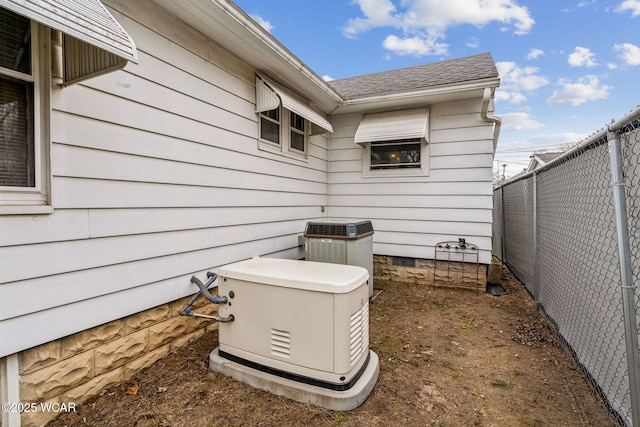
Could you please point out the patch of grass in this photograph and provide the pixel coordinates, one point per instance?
(517, 373)
(340, 417)
(466, 325)
(440, 302)
(463, 314)
(504, 385)
(528, 422)
(459, 353)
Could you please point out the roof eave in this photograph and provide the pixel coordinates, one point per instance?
(230, 27)
(407, 99)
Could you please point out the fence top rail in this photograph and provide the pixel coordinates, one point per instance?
(628, 122)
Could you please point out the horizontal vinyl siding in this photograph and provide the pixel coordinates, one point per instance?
(411, 215)
(156, 176)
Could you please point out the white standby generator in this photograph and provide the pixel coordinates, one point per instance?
(300, 329)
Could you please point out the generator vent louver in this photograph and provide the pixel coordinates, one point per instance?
(359, 333)
(347, 230)
(280, 343)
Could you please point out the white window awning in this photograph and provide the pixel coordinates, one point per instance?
(393, 125)
(94, 43)
(269, 96)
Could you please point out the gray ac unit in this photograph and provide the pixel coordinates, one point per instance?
(341, 242)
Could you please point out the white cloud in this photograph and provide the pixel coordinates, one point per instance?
(585, 3)
(584, 89)
(327, 78)
(582, 57)
(416, 46)
(424, 22)
(473, 42)
(631, 5)
(514, 80)
(629, 53)
(378, 13)
(519, 121)
(535, 54)
(262, 22)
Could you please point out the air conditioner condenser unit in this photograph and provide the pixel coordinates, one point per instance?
(300, 329)
(341, 242)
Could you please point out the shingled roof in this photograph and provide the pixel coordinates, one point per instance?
(424, 76)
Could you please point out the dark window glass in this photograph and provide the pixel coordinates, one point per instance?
(297, 122)
(17, 156)
(395, 155)
(297, 132)
(15, 42)
(17, 165)
(297, 141)
(270, 125)
(272, 114)
(269, 131)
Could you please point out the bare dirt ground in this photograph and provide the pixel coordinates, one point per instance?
(448, 357)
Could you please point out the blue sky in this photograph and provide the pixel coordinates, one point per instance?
(567, 67)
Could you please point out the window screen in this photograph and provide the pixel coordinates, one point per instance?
(17, 165)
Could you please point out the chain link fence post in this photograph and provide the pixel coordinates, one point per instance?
(536, 257)
(626, 274)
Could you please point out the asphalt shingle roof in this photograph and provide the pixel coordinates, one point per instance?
(424, 76)
(547, 157)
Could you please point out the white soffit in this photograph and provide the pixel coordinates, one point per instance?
(393, 125)
(85, 20)
(269, 96)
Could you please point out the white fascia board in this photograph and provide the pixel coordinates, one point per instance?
(230, 27)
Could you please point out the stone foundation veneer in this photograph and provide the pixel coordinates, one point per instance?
(451, 274)
(74, 368)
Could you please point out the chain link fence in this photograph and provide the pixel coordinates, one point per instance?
(556, 231)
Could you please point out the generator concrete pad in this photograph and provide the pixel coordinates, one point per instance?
(330, 399)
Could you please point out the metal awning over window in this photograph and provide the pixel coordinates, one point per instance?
(269, 96)
(94, 42)
(393, 126)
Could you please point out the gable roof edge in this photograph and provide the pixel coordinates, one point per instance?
(421, 96)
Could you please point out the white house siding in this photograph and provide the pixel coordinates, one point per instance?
(156, 176)
(411, 215)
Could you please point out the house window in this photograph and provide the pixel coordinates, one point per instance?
(298, 133)
(283, 136)
(395, 143)
(270, 126)
(396, 158)
(23, 149)
(403, 154)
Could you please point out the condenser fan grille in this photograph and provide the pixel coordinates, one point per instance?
(347, 230)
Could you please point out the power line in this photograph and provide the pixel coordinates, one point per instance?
(531, 149)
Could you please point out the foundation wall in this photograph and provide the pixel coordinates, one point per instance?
(429, 272)
(68, 371)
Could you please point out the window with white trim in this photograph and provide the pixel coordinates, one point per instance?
(24, 145)
(402, 154)
(396, 158)
(285, 136)
(395, 143)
